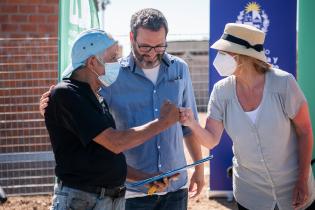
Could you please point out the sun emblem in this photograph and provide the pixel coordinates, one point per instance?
(254, 15)
(252, 6)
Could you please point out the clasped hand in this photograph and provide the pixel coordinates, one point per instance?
(171, 114)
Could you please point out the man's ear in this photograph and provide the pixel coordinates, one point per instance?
(91, 62)
(131, 36)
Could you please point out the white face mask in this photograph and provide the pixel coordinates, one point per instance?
(111, 73)
(225, 64)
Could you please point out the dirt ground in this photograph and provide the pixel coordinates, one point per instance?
(202, 202)
(44, 202)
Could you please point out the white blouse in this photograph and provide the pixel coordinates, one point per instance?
(253, 114)
(265, 162)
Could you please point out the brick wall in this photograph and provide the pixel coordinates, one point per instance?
(28, 66)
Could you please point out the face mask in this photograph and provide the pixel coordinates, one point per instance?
(225, 64)
(111, 73)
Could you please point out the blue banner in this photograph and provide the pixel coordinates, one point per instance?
(278, 20)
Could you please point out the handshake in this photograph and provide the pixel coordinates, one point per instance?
(170, 114)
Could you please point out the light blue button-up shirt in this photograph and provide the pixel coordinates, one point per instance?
(134, 100)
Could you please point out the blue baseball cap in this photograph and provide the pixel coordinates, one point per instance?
(88, 43)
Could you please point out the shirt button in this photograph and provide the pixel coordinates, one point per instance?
(159, 147)
(160, 165)
(154, 91)
(156, 110)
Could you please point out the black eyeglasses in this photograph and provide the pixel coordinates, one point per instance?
(147, 49)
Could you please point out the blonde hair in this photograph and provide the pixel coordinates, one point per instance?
(260, 66)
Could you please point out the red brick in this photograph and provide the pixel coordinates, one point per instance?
(26, 83)
(18, 18)
(27, 91)
(46, 66)
(9, 9)
(28, 27)
(27, 8)
(37, 18)
(17, 35)
(23, 124)
(19, 101)
(52, 19)
(30, 58)
(48, 28)
(46, 9)
(26, 1)
(25, 148)
(9, 27)
(4, 18)
(21, 132)
(20, 115)
(52, 2)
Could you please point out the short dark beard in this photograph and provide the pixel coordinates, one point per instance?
(140, 59)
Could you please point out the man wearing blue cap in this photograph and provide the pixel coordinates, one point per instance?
(90, 166)
(147, 77)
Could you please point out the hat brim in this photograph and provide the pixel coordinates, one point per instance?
(69, 70)
(227, 46)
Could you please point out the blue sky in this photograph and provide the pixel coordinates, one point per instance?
(187, 19)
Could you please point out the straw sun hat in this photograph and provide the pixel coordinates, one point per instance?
(242, 39)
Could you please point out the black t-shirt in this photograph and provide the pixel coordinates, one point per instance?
(74, 117)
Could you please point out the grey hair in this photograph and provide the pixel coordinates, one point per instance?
(148, 18)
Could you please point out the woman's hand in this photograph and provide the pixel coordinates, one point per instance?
(186, 116)
(300, 194)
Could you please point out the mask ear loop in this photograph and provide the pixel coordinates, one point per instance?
(92, 70)
(95, 73)
(237, 59)
(101, 62)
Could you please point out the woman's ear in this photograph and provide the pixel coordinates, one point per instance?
(237, 59)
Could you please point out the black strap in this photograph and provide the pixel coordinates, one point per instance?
(236, 40)
(114, 192)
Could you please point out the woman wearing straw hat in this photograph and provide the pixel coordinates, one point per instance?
(266, 115)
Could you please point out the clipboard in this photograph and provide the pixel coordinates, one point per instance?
(169, 173)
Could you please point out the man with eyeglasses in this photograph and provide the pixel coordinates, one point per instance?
(147, 77)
